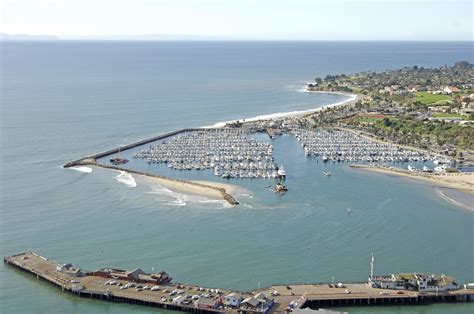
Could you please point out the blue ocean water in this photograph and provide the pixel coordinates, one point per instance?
(63, 100)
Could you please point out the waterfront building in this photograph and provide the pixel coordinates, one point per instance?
(68, 269)
(435, 283)
(233, 299)
(205, 303)
(414, 281)
(136, 275)
(258, 303)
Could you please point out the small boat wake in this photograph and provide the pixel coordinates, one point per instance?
(126, 178)
(82, 169)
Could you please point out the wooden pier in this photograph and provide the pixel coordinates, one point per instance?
(88, 285)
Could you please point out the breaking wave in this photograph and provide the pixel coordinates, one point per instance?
(126, 178)
(279, 115)
(82, 169)
(173, 198)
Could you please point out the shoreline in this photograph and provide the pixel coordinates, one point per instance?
(452, 200)
(463, 182)
(289, 114)
(206, 189)
(185, 185)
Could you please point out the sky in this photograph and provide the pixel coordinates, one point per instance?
(244, 19)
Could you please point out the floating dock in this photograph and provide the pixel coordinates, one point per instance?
(280, 298)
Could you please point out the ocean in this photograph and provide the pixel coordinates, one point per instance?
(62, 100)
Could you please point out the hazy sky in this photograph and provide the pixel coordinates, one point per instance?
(244, 19)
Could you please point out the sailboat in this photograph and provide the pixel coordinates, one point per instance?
(117, 160)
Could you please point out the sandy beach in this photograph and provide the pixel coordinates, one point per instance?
(291, 114)
(463, 182)
(229, 188)
(186, 188)
(203, 188)
(459, 181)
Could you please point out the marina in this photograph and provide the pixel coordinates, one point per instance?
(305, 235)
(157, 290)
(341, 146)
(228, 152)
(241, 153)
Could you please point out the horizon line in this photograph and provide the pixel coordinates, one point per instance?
(188, 37)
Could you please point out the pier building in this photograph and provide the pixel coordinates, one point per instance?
(197, 299)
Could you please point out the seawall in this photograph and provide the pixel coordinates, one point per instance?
(92, 161)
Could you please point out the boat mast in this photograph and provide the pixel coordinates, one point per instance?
(372, 266)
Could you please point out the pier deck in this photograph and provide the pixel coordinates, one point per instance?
(313, 296)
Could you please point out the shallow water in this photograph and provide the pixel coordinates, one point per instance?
(64, 100)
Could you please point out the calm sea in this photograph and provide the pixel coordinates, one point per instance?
(63, 100)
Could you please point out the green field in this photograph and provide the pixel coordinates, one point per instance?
(428, 99)
(450, 116)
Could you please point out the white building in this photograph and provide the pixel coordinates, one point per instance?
(451, 90)
(435, 283)
(414, 281)
(179, 299)
(233, 299)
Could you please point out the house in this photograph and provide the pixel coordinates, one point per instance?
(134, 275)
(439, 108)
(250, 302)
(451, 90)
(468, 109)
(435, 283)
(205, 303)
(386, 282)
(257, 303)
(68, 269)
(233, 299)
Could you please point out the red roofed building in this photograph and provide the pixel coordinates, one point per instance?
(451, 90)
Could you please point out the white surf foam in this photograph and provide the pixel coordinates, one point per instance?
(169, 197)
(279, 115)
(451, 200)
(126, 178)
(82, 169)
(178, 199)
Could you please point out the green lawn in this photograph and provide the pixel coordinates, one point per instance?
(427, 99)
(450, 116)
